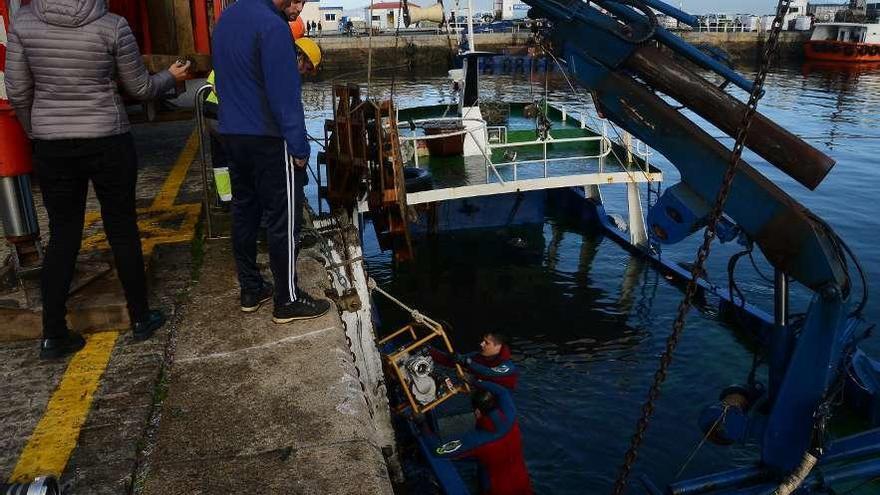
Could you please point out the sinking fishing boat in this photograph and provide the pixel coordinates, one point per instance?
(517, 157)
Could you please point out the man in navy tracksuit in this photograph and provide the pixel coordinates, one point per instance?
(263, 127)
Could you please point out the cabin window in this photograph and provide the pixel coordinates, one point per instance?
(376, 18)
(329, 17)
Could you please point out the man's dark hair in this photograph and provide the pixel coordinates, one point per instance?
(498, 337)
(483, 400)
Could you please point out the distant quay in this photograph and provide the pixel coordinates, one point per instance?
(429, 51)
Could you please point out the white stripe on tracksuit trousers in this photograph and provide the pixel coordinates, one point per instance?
(289, 165)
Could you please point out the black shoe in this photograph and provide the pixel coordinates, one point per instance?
(60, 347)
(144, 328)
(252, 301)
(304, 308)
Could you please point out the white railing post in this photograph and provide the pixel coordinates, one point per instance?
(545, 159)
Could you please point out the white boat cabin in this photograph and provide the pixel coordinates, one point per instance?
(846, 32)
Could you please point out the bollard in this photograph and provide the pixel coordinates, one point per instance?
(43, 485)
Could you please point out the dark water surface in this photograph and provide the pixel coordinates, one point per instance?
(588, 321)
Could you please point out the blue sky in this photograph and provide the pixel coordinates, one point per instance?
(692, 6)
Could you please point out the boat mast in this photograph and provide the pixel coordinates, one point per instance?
(470, 25)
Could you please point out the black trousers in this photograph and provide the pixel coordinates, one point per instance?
(64, 168)
(264, 179)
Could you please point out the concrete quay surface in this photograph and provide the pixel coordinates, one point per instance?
(83, 418)
(216, 402)
(255, 407)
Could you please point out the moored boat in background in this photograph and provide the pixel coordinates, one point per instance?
(844, 42)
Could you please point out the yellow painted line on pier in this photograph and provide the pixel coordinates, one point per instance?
(56, 435)
(166, 196)
(163, 222)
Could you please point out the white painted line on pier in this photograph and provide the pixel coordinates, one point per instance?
(256, 347)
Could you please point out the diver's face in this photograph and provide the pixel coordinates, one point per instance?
(294, 9)
(488, 347)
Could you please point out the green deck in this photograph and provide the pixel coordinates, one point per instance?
(457, 171)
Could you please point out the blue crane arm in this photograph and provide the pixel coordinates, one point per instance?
(612, 61)
(787, 233)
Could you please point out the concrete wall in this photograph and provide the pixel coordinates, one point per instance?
(746, 47)
(432, 51)
(345, 53)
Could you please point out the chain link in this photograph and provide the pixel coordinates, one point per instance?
(703, 252)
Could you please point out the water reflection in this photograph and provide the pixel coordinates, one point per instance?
(847, 90)
(588, 320)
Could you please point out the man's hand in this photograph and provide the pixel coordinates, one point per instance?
(461, 359)
(180, 70)
(300, 162)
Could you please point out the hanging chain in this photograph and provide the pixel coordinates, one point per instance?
(703, 252)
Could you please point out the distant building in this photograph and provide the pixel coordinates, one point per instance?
(667, 22)
(330, 17)
(311, 12)
(513, 9)
(385, 14)
(748, 22)
(797, 8)
(825, 12)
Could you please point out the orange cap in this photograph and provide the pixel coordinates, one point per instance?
(297, 28)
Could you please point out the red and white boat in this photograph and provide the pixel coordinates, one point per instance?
(844, 42)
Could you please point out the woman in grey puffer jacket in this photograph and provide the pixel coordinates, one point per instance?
(65, 61)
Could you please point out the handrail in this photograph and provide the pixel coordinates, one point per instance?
(550, 140)
(201, 94)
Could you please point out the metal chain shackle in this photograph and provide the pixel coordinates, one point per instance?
(703, 252)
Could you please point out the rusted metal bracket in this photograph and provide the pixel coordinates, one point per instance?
(348, 301)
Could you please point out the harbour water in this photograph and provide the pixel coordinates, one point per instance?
(588, 321)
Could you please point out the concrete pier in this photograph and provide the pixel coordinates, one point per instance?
(217, 401)
(426, 51)
(258, 407)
